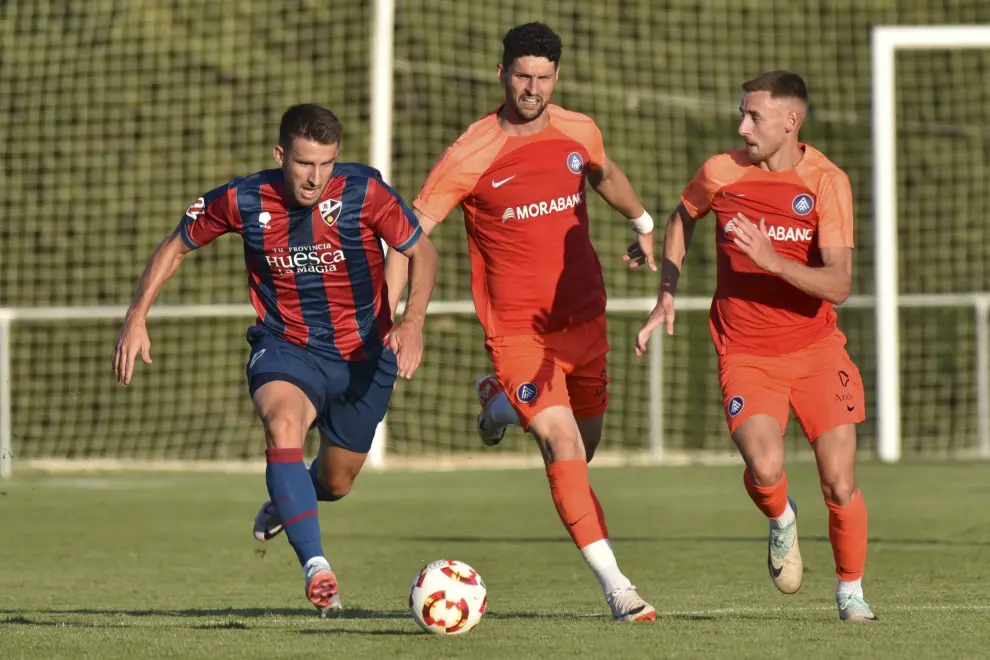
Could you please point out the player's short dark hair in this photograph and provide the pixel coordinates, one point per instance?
(311, 122)
(531, 39)
(780, 84)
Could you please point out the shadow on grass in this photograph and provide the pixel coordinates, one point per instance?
(241, 618)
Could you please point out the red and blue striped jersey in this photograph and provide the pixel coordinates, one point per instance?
(316, 274)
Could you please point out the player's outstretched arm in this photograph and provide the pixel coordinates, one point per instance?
(615, 188)
(832, 281)
(133, 337)
(676, 241)
(407, 336)
(397, 264)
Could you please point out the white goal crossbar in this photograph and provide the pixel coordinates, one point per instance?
(885, 42)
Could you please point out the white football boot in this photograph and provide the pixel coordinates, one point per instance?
(267, 524)
(490, 432)
(784, 557)
(627, 605)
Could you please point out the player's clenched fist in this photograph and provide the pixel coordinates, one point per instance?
(133, 339)
(406, 340)
(662, 314)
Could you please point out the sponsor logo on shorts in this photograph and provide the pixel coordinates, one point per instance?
(736, 405)
(847, 397)
(256, 357)
(527, 392)
(803, 204)
(575, 163)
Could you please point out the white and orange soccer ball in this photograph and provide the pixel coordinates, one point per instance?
(448, 597)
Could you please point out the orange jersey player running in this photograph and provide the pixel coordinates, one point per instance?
(784, 241)
(520, 173)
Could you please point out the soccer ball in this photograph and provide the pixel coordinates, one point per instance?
(447, 597)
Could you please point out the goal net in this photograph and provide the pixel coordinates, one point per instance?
(114, 116)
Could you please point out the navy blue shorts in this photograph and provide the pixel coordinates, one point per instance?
(350, 397)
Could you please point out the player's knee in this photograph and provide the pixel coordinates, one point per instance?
(339, 486)
(767, 469)
(560, 441)
(284, 431)
(839, 490)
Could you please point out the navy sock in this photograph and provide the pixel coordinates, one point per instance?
(291, 489)
(322, 494)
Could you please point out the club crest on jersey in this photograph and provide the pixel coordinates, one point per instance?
(736, 405)
(527, 392)
(803, 204)
(263, 219)
(330, 211)
(575, 163)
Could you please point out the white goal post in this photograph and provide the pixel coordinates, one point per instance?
(885, 42)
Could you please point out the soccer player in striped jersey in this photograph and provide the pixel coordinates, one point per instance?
(521, 175)
(324, 351)
(784, 242)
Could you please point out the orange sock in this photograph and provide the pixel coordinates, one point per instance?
(599, 511)
(847, 532)
(771, 500)
(575, 504)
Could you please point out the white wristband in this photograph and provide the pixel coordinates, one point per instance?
(643, 224)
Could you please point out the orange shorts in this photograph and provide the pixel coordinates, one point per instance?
(820, 383)
(563, 368)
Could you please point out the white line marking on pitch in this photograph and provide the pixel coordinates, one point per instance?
(949, 607)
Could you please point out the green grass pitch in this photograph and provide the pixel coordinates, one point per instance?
(163, 565)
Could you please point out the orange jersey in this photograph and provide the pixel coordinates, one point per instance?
(533, 267)
(806, 208)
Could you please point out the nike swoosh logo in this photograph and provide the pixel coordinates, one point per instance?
(496, 184)
(774, 572)
(850, 408)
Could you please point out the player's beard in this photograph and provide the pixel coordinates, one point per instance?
(529, 111)
(757, 153)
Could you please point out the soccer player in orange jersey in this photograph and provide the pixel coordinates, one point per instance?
(520, 173)
(784, 240)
